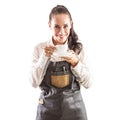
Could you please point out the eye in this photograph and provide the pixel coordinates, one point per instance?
(57, 26)
(65, 26)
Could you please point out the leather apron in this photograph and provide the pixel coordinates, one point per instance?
(61, 97)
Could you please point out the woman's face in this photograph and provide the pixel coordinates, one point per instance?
(60, 25)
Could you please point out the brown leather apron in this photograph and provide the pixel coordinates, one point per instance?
(61, 97)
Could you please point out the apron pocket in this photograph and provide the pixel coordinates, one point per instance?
(60, 79)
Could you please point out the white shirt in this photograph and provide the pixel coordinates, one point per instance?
(40, 63)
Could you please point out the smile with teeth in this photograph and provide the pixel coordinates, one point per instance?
(61, 36)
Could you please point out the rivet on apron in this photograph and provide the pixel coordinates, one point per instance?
(41, 101)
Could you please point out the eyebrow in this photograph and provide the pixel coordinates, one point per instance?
(58, 25)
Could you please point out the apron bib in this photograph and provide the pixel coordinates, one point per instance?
(61, 97)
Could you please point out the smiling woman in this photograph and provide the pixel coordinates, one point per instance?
(60, 24)
(60, 77)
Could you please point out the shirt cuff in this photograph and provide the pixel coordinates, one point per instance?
(77, 68)
(82, 74)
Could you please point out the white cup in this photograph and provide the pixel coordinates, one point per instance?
(61, 50)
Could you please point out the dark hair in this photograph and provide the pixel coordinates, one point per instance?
(73, 43)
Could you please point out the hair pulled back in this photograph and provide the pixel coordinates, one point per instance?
(73, 43)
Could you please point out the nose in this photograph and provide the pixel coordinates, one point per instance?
(62, 31)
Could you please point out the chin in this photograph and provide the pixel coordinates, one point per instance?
(62, 41)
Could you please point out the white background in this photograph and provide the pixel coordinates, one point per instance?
(24, 23)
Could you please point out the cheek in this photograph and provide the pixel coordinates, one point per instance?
(55, 32)
(68, 31)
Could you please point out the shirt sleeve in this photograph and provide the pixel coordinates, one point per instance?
(81, 72)
(39, 66)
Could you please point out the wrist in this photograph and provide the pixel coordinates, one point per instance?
(75, 62)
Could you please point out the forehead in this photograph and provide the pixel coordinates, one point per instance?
(60, 19)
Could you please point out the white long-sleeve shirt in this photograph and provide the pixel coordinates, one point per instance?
(40, 63)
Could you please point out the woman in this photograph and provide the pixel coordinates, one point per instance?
(60, 76)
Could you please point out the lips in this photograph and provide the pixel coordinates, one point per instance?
(61, 36)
